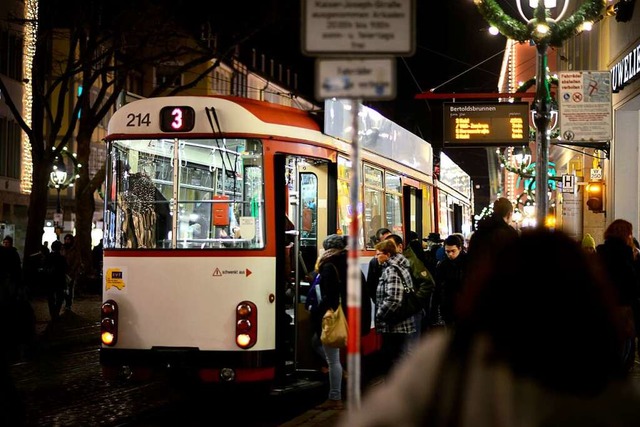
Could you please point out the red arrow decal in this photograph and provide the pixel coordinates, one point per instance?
(248, 272)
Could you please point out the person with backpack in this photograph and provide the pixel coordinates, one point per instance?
(395, 332)
(55, 268)
(422, 282)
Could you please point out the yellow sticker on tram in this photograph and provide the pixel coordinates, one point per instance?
(115, 279)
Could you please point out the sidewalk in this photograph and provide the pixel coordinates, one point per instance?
(79, 326)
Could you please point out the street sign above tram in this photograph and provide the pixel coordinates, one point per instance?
(342, 27)
(486, 124)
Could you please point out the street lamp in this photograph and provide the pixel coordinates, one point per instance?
(543, 31)
(59, 178)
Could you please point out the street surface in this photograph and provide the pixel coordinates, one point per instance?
(61, 384)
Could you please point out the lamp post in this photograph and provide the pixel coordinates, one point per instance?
(544, 31)
(59, 178)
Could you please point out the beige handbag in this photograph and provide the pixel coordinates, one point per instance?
(334, 328)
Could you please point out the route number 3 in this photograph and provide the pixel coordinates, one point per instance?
(177, 119)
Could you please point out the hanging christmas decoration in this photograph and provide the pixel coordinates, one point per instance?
(559, 31)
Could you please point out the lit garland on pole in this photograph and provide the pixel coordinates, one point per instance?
(512, 28)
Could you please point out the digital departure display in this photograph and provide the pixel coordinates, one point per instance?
(486, 124)
(177, 119)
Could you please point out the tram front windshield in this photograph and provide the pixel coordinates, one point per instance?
(184, 194)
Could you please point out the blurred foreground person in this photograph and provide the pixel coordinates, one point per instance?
(537, 344)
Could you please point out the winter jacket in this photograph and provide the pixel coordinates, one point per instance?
(450, 276)
(389, 295)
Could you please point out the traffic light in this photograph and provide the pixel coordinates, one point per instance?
(595, 196)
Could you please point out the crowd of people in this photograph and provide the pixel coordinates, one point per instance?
(518, 328)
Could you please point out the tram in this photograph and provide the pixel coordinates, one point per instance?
(216, 208)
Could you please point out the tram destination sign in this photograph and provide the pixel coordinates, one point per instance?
(486, 124)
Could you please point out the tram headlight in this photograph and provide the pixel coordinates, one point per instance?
(246, 324)
(109, 322)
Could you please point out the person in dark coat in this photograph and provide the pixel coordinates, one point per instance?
(11, 271)
(450, 276)
(374, 271)
(14, 302)
(55, 267)
(617, 255)
(434, 243)
(492, 232)
(332, 267)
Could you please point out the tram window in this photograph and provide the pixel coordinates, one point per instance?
(373, 203)
(373, 218)
(215, 199)
(394, 213)
(344, 203)
(393, 202)
(309, 197)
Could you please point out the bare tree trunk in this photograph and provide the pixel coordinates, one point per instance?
(36, 216)
(84, 203)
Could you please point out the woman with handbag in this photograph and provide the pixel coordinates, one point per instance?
(332, 268)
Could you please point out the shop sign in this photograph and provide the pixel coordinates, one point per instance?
(626, 70)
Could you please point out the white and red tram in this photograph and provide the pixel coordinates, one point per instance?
(215, 211)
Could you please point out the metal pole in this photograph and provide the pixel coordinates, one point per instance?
(58, 206)
(354, 296)
(542, 118)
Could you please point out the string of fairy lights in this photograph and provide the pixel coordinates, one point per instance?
(30, 38)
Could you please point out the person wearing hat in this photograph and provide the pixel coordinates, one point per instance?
(434, 238)
(589, 244)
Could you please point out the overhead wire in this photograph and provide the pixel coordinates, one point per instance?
(467, 70)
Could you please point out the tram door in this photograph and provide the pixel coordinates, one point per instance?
(306, 181)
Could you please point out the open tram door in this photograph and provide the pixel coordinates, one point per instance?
(301, 229)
